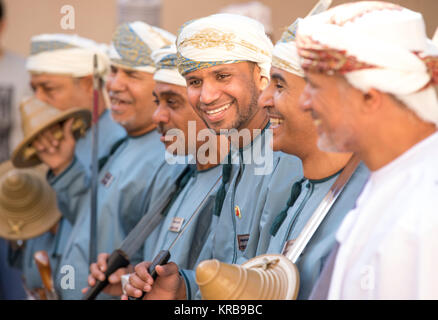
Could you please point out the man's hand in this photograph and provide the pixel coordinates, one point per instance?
(57, 154)
(169, 284)
(114, 288)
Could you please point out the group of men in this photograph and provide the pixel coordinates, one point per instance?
(264, 133)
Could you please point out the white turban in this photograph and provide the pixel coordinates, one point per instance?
(133, 44)
(285, 55)
(165, 63)
(66, 54)
(435, 37)
(375, 45)
(223, 39)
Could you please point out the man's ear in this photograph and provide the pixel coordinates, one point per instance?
(261, 81)
(372, 100)
(264, 82)
(86, 83)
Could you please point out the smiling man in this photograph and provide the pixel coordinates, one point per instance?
(225, 60)
(370, 73)
(294, 133)
(62, 76)
(174, 113)
(126, 174)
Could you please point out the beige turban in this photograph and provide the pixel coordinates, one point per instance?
(133, 44)
(66, 54)
(375, 45)
(285, 54)
(223, 39)
(166, 69)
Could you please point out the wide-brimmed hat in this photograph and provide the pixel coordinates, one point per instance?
(27, 202)
(265, 277)
(37, 116)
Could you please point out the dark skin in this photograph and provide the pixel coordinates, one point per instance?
(344, 116)
(173, 111)
(296, 134)
(235, 87)
(129, 91)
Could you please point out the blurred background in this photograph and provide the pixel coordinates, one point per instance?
(97, 19)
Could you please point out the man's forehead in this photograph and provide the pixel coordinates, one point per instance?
(48, 77)
(228, 67)
(168, 89)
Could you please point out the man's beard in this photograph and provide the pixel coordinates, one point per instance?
(246, 116)
(335, 142)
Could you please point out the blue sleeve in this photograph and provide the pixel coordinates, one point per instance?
(71, 187)
(192, 288)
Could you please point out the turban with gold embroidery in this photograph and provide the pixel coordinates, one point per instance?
(133, 44)
(66, 55)
(165, 63)
(223, 39)
(285, 54)
(376, 45)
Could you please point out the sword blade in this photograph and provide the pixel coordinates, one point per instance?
(321, 211)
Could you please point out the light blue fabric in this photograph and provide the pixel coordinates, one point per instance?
(187, 248)
(311, 261)
(123, 198)
(257, 195)
(53, 244)
(109, 133)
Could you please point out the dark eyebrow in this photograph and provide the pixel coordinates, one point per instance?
(188, 78)
(223, 69)
(154, 94)
(170, 93)
(277, 76)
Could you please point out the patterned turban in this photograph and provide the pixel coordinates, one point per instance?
(223, 39)
(374, 45)
(133, 44)
(66, 55)
(165, 63)
(285, 54)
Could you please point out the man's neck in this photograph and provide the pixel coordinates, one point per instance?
(386, 145)
(221, 151)
(254, 126)
(318, 165)
(141, 131)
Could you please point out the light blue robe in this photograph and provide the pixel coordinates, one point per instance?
(256, 192)
(109, 133)
(187, 248)
(312, 259)
(123, 198)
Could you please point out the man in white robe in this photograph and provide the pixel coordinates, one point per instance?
(370, 73)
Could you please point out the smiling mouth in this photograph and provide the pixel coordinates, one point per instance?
(117, 104)
(218, 110)
(275, 121)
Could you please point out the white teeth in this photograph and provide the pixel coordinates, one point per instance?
(218, 109)
(276, 121)
(317, 122)
(118, 101)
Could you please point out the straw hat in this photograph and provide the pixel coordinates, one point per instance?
(37, 116)
(27, 202)
(266, 277)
